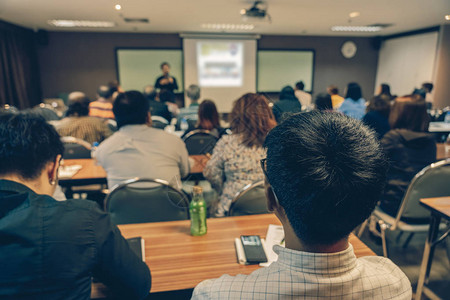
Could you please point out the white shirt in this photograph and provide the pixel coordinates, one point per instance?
(142, 151)
(304, 98)
(305, 275)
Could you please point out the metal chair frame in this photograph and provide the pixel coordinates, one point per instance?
(161, 182)
(242, 192)
(397, 223)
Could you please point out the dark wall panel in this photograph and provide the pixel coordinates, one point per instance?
(82, 61)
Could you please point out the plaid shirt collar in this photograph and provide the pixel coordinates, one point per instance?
(317, 263)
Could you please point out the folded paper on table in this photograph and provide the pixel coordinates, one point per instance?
(67, 172)
(274, 236)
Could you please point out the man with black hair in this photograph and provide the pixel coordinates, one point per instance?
(324, 175)
(102, 107)
(137, 149)
(51, 249)
(165, 81)
(78, 124)
(302, 96)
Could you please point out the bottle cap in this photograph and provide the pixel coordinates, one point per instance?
(197, 189)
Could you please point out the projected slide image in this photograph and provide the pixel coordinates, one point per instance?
(220, 64)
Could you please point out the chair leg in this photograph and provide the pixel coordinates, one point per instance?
(362, 228)
(408, 239)
(383, 228)
(399, 236)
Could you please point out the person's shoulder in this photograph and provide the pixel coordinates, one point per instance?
(214, 288)
(385, 273)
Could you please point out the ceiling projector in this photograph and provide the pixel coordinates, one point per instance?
(258, 10)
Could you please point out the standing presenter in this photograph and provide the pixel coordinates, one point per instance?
(165, 81)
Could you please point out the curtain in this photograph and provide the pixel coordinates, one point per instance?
(19, 72)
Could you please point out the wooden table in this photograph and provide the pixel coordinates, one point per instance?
(90, 173)
(440, 208)
(179, 261)
(440, 152)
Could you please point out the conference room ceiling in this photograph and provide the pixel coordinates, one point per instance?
(292, 17)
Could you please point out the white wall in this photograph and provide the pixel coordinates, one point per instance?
(406, 62)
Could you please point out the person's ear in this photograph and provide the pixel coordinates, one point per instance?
(53, 170)
(149, 119)
(272, 201)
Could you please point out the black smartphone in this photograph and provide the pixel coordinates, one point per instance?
(253, 249)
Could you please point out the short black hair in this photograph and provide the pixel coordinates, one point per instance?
(327, 171)
(427, 86)
(105, 91)
(353, 91)
(323, 102)
(130, 108)
(300, 85)
(27, 144)
(78, 106)
(164, 64)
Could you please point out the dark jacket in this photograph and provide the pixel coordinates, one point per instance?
(159, 109)
(285, 106)
(408, 153)
(377, 122)
(51, 249)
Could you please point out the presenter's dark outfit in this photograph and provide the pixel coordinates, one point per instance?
(169, 86)
(51, 249)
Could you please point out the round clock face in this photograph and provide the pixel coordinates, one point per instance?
(348, 49)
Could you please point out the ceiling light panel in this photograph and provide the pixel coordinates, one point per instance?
(356, 28)
(228, 26)
(81, 23)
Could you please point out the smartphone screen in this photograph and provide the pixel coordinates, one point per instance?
(253, 249)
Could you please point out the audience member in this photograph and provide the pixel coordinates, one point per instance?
(168, 98)
(102, 107)
(78, 124)
(302, 96)
(51, 249)
(288, 104)
(208, 119)
(235, 159)
(409, 148)
(165, 81)
(385, 90)
(324, 175)
(45, 111)
(428, 87)
(137, 149)
(190, 113)
(354, 104)
(323, 102)
(377, 114)
(336, 100)
(156, 107)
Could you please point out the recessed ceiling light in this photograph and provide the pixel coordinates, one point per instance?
(354, 14)
(80, 23)
(228, 26)
(447, 17)
(118, 7)
(356, 28)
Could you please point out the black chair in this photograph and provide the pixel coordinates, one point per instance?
(75, 148)
(146, 200)
(159, 122)
(251, 200)
(199, 141)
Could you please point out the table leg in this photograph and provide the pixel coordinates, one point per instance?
(427, 254)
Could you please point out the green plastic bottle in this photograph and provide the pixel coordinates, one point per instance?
(197, 211)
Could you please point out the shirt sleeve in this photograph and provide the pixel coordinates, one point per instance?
(201, 291)
(175, 84)
(184, 161)
(118, 267)
(214, 169)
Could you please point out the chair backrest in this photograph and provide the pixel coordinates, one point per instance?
(250, 200)
(431, 181)
(159, 122)
(200, 141)
(75, 148)
(146, 200)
